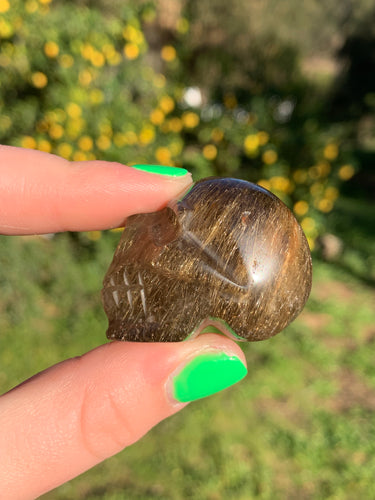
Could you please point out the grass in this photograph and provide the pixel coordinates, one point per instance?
(300, 426)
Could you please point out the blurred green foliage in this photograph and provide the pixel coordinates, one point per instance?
(142, 82)
(300, 426)
(223, 88)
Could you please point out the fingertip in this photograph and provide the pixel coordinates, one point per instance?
(47, 193)
(216, 363)
(91, 407)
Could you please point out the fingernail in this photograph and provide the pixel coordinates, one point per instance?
(207, 374)
(162, 170)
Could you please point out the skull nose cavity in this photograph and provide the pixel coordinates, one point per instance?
(215, 325)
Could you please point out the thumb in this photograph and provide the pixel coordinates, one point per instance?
(68, 418)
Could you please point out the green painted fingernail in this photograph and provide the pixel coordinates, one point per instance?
(162, 170)
(207, 374)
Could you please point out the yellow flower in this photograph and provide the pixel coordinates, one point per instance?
(217, 134)
(159, 81)
(301, 207)
(176, 147)
(280, 183)
(28, 142)
(314, 172)
(114, 59)
(264, 183)
(300, 176)
(163, 156)
(73, 110)
(79, 156)
(263, 138)
(87, 51)
(50, 117)
(97, 59)
(308, 225)
(166, 104)
(51, 49)
(331, 151)
(269, 157)
(346, 172)
(56, 131)
(210, 152)
(119, 139)
(44, 145)
(105, 128)
(31, 6)
(4, 6)
(190, 119)
(331, 193)
(85, 143)
(147, 135)
(168, 53)
(175, 124)
(133, 34)
(108, 50)
(66, 61)
(65, 150)
(324, 168)
(311, 242)
(131, 137)
(39, 79)
(157, 116)
(60, 114)
(96, 96)
(111, 54)
(131, 51)
(6, 31)
(94, 235)
(74, 128)
(316, 189)
(251, 143)
(325, 205)
(85, 77)
(103, 142)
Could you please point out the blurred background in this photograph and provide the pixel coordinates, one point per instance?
(279, 93)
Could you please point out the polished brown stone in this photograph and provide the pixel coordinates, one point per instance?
(229, 254)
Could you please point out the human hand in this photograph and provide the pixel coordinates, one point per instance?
(75, 414)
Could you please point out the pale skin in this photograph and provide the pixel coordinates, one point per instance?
(72, 416)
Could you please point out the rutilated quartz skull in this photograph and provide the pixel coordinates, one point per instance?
(229, 255)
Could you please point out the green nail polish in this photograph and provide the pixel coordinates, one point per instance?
(162, 170)
(207, 374)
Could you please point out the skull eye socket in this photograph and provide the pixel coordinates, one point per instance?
(165, 227)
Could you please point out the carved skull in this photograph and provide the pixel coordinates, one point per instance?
(228, 255)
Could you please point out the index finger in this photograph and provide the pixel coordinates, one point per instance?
(42, 193)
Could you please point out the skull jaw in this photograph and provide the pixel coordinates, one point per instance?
(150, 332)
(215, 325)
